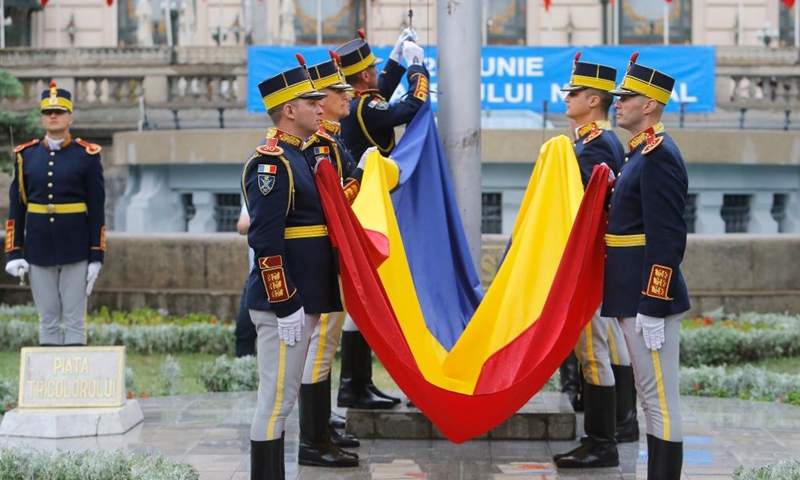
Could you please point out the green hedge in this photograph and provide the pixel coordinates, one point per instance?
(28, 463)
(746, 383)
(781, 470)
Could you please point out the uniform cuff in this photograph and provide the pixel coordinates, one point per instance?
(284, 309)
(97, 256)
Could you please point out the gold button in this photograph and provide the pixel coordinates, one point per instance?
(50, 196)
(52, 163)
(50, 185)
(52, 219)
(612, 189)
(49, 174)
(52, 154)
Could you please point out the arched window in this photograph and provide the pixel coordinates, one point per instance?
(642, 22)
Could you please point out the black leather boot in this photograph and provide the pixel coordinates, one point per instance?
(600, 450)
(571, 381)
(666, 460)
(627, 423)
(336, 420)
(266, 460)
(356, 389)
(343, 440)
(316, 447)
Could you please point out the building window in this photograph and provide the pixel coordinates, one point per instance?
(227, 208)
(492, 213)
(142, 23)
(340, 20)
(787, 25)
(736, 213)
(642, 22)
(17, 15)
(505, 22)
(690, 213)
(189, 210)
(778, 210)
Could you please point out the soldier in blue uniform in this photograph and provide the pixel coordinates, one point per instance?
(645, 243)
(602, 354)
(371, 124)
(56, 221)
(294, 278)
(326, 145)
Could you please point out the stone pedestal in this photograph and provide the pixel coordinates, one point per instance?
(71, 422)
(547, 416)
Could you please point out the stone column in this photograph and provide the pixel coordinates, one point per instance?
(203, 220)
(709, 213)
(761, 220)
(155, 207)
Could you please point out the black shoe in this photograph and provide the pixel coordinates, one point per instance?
(355, 382)
(336, 421)
(343, 440)
(569, 371)
(379, 393)
(589, 455)
(316, 447)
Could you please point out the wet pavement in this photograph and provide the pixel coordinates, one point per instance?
(211, 432)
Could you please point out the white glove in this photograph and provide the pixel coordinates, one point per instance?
(611, 176)
(91, 275)
(13, 267)
(412, 53)
(289, 327)
(652, 329)
(363, 161)
(397, 52)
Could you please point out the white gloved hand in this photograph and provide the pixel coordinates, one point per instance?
(652, 329)
(289, 327)
(13, 267)
(397, 52)
(91, 275)
(412, 53)
(611, 176)
(363, 161)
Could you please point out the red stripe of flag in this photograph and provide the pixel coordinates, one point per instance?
(788, 3)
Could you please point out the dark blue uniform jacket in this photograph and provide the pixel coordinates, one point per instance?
(646, 235)
(596, 145)
(70, 178)
(294, 259)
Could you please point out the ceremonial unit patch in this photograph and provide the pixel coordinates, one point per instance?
(658, 286)
(423, 85)
(265, 183)
(378, 104)
(273, 169)
(9, 235)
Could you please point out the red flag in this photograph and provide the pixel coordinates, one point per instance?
(788, 3)
(44, 2)
(546, 5)
(668, 1)
(109, 2)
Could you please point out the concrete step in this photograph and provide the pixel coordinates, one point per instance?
(547, 416)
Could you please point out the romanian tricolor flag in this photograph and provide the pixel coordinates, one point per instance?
(468, 361)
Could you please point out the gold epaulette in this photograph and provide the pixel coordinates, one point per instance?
(270, 148)
(23, 146)
(652, 144)
(91, 148)
(594, 134)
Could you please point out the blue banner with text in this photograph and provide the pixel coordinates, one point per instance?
(525, 78)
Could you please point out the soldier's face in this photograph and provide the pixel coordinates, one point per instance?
(56, 122)
(372, 79)
(577, 104)
(336, 105)
(307, 116)
(630, 111)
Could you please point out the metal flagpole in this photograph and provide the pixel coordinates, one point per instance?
(168, 18)
(666, 23)
(615, 20)
(58, 23)
(796, 24)
(3, 25)
(319, 22)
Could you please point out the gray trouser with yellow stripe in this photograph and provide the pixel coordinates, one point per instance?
(600, 345)
(322, 348)
(656, 376)
(280, 370)
(60, 292)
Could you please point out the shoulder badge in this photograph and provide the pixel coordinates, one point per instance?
(651, 145)
(324, 135)
(266, 177)
(91, 148)
(270, 148)
(378, 104)
(23, 146)
(594, 134)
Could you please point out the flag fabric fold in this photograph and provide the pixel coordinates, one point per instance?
(467, 362)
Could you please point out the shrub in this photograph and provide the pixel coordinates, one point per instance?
(747, 383)
(27, 463)
(170, 377)
(231, 374)
(782, 470)
(8, 396)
